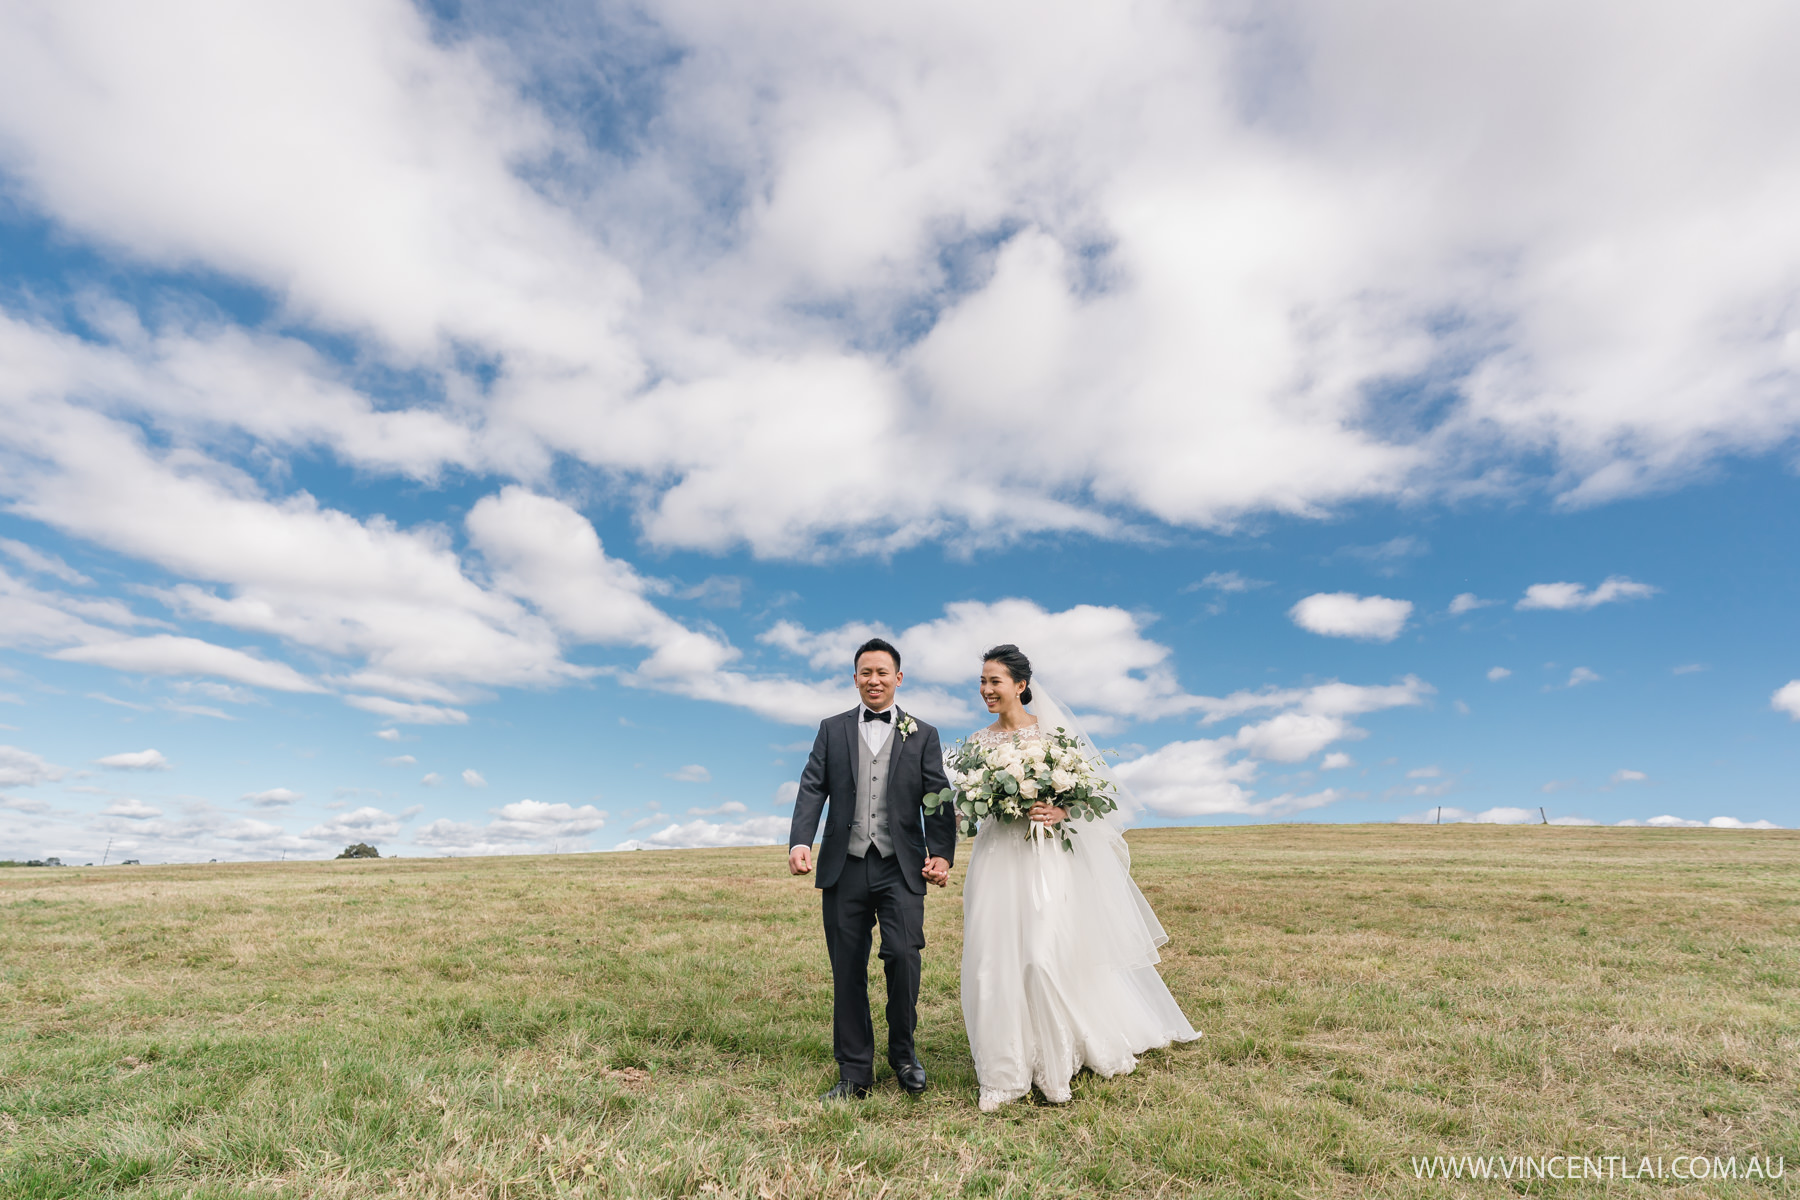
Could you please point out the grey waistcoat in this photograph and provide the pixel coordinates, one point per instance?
(871, 821)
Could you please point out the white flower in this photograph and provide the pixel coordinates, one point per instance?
(1028, 788)
(1061, 780)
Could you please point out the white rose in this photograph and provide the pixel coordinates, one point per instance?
(1061, 780)
(1028, 788)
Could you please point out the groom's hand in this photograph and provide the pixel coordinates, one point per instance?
(936, 871)
(800, 860)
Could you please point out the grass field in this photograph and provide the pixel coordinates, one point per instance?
(657, 1024)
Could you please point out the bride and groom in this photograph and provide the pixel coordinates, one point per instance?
(1059, 949)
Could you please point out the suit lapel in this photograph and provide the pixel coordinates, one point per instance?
(849, 722)
(895, 744)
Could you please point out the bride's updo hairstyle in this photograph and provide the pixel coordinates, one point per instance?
(1016, 664)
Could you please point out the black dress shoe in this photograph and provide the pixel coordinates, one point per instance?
(845, 1090)
(910, 1074)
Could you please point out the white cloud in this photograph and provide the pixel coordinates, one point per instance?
(1335, 761)
(1294, 736)
(400, 760)
(364, 824)
(726, 809)
(388, 735)
(787, 793)
(24, 805)
(473, 778)
(1496, 674)
(273, 798)
(41, 561)
(134, 809)
(1468, 602)
(22, 768)
(1734, 823)
(1423, 773)
(1610, 311)
(1626, 775)
(1450, 815)
(1573, 596)
(517, 828)
(1607, 301)
(1689, 669)
(408, 714)
(135, 760)
(692, 773)
(753, 831)
(431, 779)
(1345, 614)
(1581, 675)
(1787, 699)
(1227, 581)
(166, 654)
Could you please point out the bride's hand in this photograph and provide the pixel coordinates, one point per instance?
(1047, 814)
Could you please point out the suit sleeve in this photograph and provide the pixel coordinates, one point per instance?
(810, 802)
(940, 826)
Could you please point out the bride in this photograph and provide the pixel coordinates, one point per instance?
(1059, 949)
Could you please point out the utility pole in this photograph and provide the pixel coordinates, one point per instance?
(1440, 819)
(108, 851)
(1541, 817)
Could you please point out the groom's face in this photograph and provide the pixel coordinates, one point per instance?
(876, 678)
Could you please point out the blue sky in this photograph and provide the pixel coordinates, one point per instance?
(481, 430)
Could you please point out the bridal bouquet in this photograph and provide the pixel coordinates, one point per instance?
(1004, 781)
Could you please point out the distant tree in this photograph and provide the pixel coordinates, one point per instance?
(360, 850)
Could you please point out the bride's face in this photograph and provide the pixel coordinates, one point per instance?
(998, 689)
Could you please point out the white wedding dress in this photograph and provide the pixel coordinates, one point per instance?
(1059, 959)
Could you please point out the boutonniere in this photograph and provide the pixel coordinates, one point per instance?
(907, 725)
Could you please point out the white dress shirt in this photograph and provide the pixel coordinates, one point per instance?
(875, 734)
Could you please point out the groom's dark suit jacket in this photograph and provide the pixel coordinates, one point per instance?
(915, 766)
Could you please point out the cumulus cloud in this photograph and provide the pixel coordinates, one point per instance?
(1574, 596)
(1787, 699)
(699, 833)
(692, 773)
(1335, 761)
(131, 808)
(517, 828)
(135, 760)
(1626, 775)
(473, 778)
(1347, 615)
(1496, 674)
(1448, 815)
(366, 824)
(1581, 675)
(273, 798)
(927, 227)
(22, 768)
(1468, 602)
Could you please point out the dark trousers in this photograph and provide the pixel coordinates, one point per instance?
(872, 890)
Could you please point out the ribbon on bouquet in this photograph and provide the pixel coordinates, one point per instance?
(1040, 886)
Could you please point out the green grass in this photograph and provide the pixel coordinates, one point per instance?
(659, 1025)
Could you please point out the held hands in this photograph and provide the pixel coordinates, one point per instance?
(1047, 814)
(800, 860)
(936, 871)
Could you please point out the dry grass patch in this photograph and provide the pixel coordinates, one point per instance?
(659, 1024)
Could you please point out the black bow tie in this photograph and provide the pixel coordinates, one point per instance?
(886, 714)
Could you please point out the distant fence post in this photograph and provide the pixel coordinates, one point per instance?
(1541, 817)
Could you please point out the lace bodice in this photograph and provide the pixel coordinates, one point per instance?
(1000, 737)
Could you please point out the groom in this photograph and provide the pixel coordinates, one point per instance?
(874, 763)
